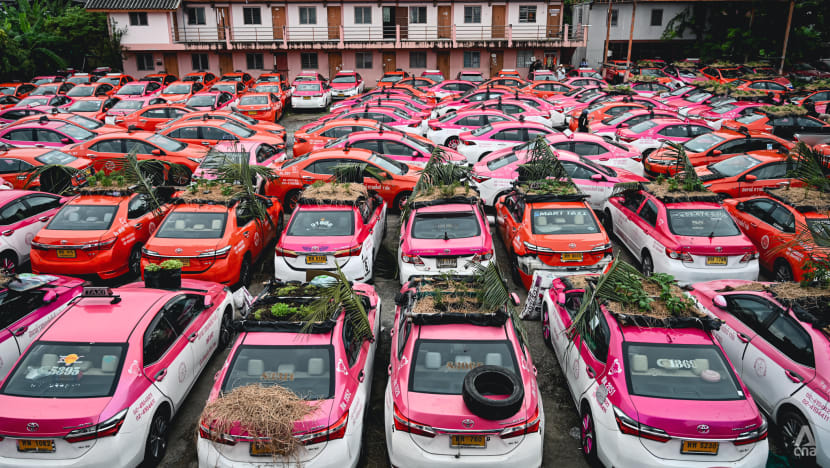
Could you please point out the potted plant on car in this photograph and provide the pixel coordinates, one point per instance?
(170, 276)
(152, 276)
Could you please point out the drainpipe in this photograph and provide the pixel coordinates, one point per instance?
(786, 37)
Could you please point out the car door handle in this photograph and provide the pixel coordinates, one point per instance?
(21, 177)
(43, 219)
(19, 331)
(205, 142)
(160, 375)
(192, 337)
(8, 232)
(591, 372)
(792, 375)
(755, 225)
(305, 177)
(137, 225)
(743, 337)
(361, 376)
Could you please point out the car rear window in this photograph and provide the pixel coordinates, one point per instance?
(238, 129)
(643, 126)
(253, 100)
(67, 370)
(192, 225)
(439, 366)
(734, 166)
(308, 87)
(131, 90)
(680, 372)
(85, 106)
(502, 161)
(458, 225)
(319, 223)
(86, 122)
(81, 91)
(55, 157)
(703, 142)
(563, 221)
(168, 144)
(391, 78)
(305, 370)
(201, 100)
(714, 222)
(178, 89)
(83, 218)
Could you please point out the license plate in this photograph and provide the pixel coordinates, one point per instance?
(185, 261)
(66, 253)
(307, 97)
(110, 120)
(571, 256)
(36, 446)
(716, 260)
(316, 259)
(468, 441)
(259, 450)
(696, 446)
(251, 112)
(447, 262)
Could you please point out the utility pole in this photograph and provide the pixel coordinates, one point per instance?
(786, 37)
(630, 40)
(607, 34)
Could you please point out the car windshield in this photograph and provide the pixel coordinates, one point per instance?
(228, 88)
(481, 130)
(391, 78)
(76, 132)
(555, 221)
(81, 91)
(217, 158)
(587, 96)
(440, 366)
(113, 80)
(85, 106)
(33, 101)
(238, 130)
(253, 100)
(307, 371)
(444, 225)
(319, 223)
(178, 89)
(55, 157)
(6, 90)
(193, 225)
(679, 91)
(703, 142)
(168, 144)
(616, 120)
(388, 164)
(643, 126)
(733, 166)
(128, 105)
(345, 79)
(820, 230)
(704, 222)
(723, 109)
(651, 72)
(267, 88)
(502, 161)
(83, 218)
(67, 370)
(698, 97)
(748, 119)
(687, 372)
(131, 90)
(308, 86)
(202, 100)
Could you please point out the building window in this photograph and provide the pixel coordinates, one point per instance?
(417, 15)
(200, 61)
(145, 61)
(195, 16)
(472, 58)
(579, 16)
(363, 60)
(308, 15)
(252, 15)
(362, 15)
(527, 14)
(254, 61)
(472, 14)
(308, 60)
(524, 58)
(417, 59)
(138, 18)
(615, 15)
(657, 17)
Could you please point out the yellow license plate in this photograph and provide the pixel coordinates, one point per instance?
(571, 257)
(259, 450)
(251, 112)
(716, 260)
(315, 259)
(66, 253)
(696, 446)
(37, 446)
(185, 261)
(468, 441)
(306, 97)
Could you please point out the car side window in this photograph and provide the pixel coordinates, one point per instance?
(577, 171)
(512, 134)
(791, 339)
(186, 133)
(674, 131)
(137, 207)
(598, 338)
(695, 130)
(531, 134)
(470, 121)
(805, 122)
(158, 338)
(632, 201)
(48, 136)
(152, 86)
(396, 148)
(9, 165)
(753, 311)
(403, 335)
(585, 148)
(759, 209)
(214, 133)
(351, 342)
(782, 219)
(323, 166)
(181, 310)
(22, 134)
(108, 146)
(160, 113)
(244, 214)
(139, 146)
(39, 203)
(13, 212)
(649, 213)
(776, 170)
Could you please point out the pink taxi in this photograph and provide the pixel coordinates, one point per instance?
(727, 111)
(108, 400)
(139, 90)
(128, 106)
(652, 134)
(514, 107)
(599, 150)
(448, 88)
(477, 144)
(451, 104)
(400, 146)
(258, 154)
(331, 367)
(392, 117)
(389, 91)
(445, 130)
(609, 126)
(45, 132)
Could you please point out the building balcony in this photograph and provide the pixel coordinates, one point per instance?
(380, 37)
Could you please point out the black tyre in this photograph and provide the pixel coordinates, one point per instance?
(792, 424)
(452, 142)
(782, 271)
(608, 222)
(647, 264)
(156, 445)
(8, 262)
(134, 262)
(514, 271)
(290, 201)
(225, 331)
(588, 435)
(492, 380)
(245, 271)
(401, 199)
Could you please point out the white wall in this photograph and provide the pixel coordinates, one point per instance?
(471, 31)
(362, 32)
(303, 32)
(249, 32)
(156, 32)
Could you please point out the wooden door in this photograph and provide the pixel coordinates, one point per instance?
(281, 63)
(335, 63)
(334, 23)
(171, 63)
(278, 21)
(444, 64)
(388, 61)
(496, 62)
(498, 21)
(553, 20)
(444, 23)
(222, 22)
(225, 63)
(402, 20)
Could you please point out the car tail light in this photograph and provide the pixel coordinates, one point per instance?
(208, 433)
(749, 256)
(629, 426)
(526, 427)
(606, 249)
(405, 424)
(414, 259)
(637, 157)
(300, 140)
(215, 254)
(679, 255)
(467, 142)
(414, 125)
(434, 128)
(105, 244)
(756, 435)
(350, 252)
(483, 256)
(285, 252)
(538, 249)
(335, 431)
(110, 427)
(480, 178)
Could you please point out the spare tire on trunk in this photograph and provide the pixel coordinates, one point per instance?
(492, 380)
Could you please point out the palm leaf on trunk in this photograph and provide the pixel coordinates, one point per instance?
(242, 174)
(336, 296)
(53, 178)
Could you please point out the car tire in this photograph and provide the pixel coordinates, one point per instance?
(290, 201)
(493, 380)
(608, 222)
(588, 435)
(401, 199)
(792, 423)
(225, 330)
(647, 264)
(782, 271)
(452, 142)
(156, 444)
(245, 271)
(8, 262)
(514, 270)
(134, 261)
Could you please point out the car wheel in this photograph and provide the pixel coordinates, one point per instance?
(156, 445)
(588, 435)
(401, 199)
(134, 263)
(792, 424)
(291, 201)
(647, 264)
(245, 271)
(8, 262)
(452, 142)
(608, 222)
(514, 270)
(225, 331)
(782, 271)
(492, 380)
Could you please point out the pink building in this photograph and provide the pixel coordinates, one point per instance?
(289, 35)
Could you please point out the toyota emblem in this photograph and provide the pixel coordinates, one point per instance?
(572, 245)
(468, 423)
(703, 428)
(718, 249)
(179, 250)
(32, 427)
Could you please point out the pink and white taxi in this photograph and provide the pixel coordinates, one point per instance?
(106, 396)
(445, 130)
(651, 395)
(727, 111)
(477, 144)
(609, 126)
(311, 95)
(462, 387)
(330, 366)
(601, 150)
(27, 304)
(22, 214)
(652, 134)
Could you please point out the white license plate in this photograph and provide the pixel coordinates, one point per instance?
(447, 262)
(109, 119)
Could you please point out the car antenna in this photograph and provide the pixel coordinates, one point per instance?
(446, 237)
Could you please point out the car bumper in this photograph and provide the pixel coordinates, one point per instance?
(124, 449)
(408, 270)
(528, 265)
(223, 271)
(105, 264)
(298, 102)
(403, 452)
(344, 93)
(685, 275)
(334, 455)
(352, 268)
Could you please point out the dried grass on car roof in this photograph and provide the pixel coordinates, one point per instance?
(657, 309)
(208, 194)
(328, 192)
(803, 196)
(663, 191)
(441, 192)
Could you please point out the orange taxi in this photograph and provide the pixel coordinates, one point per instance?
(766, 86)
(151, 117)
(600, 112)
(17, 89)
(546, 89)
(17, 166)
(209, 132)
(178, 92)
(392, 77)
(267, 107)
(722, 74)
(508, 72)
(748, 174)
(318, 135)
(163, 78)
(245, 78)
(205, 77)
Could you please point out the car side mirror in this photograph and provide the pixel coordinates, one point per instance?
(384, 175)
(208, 302)
(720, 301)
(66, 141)
(156, 152)
(49, 297)
(465, 101)
(515, 298)
(750, 178)
(716, 153)
(740, 206)
(416, 154)
(597, 178)
(561, 298)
